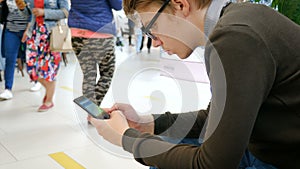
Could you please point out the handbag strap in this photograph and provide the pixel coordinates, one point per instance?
(39, 4)
(66, 12)
(59, 22)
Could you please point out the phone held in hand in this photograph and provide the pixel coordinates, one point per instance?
(91, 108)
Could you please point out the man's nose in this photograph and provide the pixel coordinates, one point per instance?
(156, 43)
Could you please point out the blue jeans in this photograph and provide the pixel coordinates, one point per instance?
(12, 42)
(248, 161)
(139, 42)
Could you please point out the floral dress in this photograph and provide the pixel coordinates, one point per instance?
(41, 62)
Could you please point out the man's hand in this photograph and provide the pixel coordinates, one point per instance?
(142, 123)
(111, 129)
(21, 4)
(132, 117)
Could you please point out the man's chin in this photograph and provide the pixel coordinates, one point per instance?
(184, 55)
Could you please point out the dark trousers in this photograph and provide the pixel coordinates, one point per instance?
(149, 43)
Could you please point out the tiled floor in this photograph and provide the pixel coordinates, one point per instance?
(27, 137)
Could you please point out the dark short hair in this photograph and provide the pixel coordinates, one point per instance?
(129, 6)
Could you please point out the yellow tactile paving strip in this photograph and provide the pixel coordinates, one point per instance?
(65, 161)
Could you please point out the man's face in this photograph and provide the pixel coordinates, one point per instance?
(176, 35)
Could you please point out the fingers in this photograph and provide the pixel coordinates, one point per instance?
(115, 113)
(115, 107)
(119, 106)
(111, 129)
(35, 11)
(92, 120)
(38, 12)
(107, 110)
(24, 37)
(100, 125)
(89, 118)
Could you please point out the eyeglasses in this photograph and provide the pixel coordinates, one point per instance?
(146, 30)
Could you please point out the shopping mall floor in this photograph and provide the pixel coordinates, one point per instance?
(61, 137)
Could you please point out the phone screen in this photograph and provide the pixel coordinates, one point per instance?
(91, 108)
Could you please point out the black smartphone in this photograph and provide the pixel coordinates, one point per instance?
(92, 108)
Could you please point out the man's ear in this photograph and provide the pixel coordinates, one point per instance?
(182, 6)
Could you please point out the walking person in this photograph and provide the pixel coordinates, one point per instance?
(14, 31)
(254, 75)
(138, 39)
(149, 44)
(130, 32)
(42, 63)
(93, 39)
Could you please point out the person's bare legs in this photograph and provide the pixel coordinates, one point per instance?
(50, 89)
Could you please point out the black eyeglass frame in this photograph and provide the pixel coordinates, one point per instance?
(146, 30)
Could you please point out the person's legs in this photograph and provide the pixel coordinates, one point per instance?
(49, 64)
(47, 78)
(12, 43)
(130, 40)
(139, 38)
(36, 86)
(21, 59)
(142, 43)
(119, 42)
(105, 56)
(43, 83)
(249, 161)
(88, 66)
(131, 32)
(149, 43)
(49, 93)
(77, 44)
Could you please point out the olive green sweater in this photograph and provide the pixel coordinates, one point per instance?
(253, 62)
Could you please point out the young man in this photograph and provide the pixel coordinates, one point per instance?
(253, 61)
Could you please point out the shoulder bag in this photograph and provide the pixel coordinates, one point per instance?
(60, 37)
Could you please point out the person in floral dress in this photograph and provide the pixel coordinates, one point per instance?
(42, 63)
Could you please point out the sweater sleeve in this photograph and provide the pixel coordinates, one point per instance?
(241, 74)
(183, 125)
